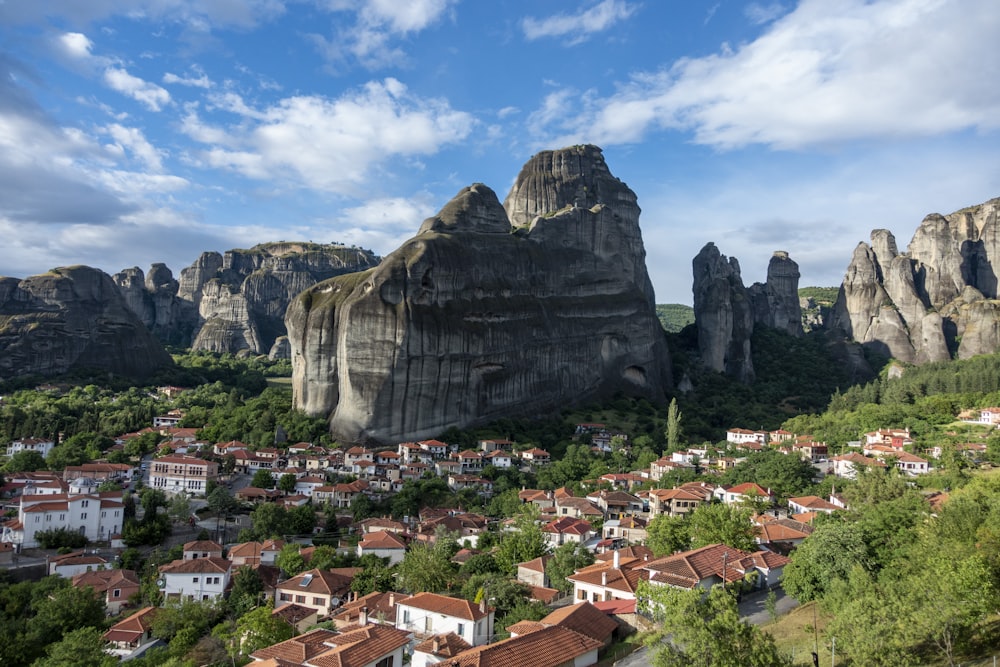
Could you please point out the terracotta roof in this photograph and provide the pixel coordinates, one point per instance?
(688, 568)
(362, 646)
(318, 581)
(568, 526)
(543, 595)
(548, 647)
(616, 606)
(294, 613)
(524, 627)
(814, 503)
(202, 545)
(625, 578)
(129, 628)
(380, 606)
(298, 649)
(536, 564)
(448, 645)
(584, 618)
(638, 552)
(197, 566)
(442, 604)
(104, 580)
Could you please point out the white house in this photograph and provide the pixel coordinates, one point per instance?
(383, 544)
(427, 614)
(96, 516)
(40, 445)
(195, 579)
(182, 474)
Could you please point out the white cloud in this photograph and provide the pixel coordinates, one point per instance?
(132, 141)
(195, 14)
(826, 72)
(580, 26)
(334, 145)
(760, 14)
(149, 94)
(404, 17)
(76, 45)
(198, 79)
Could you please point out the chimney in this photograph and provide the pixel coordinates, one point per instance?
(363, 618)
(392, 598)
(482, 605)
(616, 560)
(437, 645)
(604, 578)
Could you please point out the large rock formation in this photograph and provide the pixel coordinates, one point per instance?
(489, 311)
(73, 318)
(726, 312)
(234, 301)
(937, 299)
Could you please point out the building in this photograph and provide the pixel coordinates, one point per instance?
(182, 474)
(715, 564)
(322, 590)
(126, 636)
(115, 587)
(615, 579)
(383, 544)
(94, 515)
(40, 445)
(427, 614)
(195, 579)
(366, 646)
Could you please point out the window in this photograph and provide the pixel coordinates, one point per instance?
(428, 624)
(319, 601)
(62, 517)
(385, 662)
(85, 503)
(285, 597)
(38, 519)
(194, 580)
(104, 515)
(83, 515)
(116, 593)
(406, 616)
(461, 629)
(300, 598)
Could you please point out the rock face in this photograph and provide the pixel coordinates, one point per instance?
(726, 312)
(937, 299)
(489, 311)
(234, 302)
(73, 318)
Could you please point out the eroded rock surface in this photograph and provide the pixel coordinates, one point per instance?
(937, 299)
(489, 311)
(73, 318)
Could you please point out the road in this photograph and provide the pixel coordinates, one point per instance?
(753, 610)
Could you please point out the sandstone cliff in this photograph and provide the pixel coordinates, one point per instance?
(726, 312)
(489, 311)
(937, 299)
(73, 318)
(234, 301)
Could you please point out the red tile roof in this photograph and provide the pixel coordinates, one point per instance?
(442, 604)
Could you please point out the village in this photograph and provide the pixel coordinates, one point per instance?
(595, 605)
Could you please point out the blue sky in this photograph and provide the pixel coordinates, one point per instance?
(141, 131)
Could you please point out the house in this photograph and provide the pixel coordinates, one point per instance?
(375, 607)
(441, 649)
(459, 482)
(95, 515)
(172, 418)
(115, 587)
(911, 464)
(182, 474)
(567, 529)
(848, 465)
(807, 504)
(552, 646)
(779, 436)
(781, 535)
(615, 504)
(678, 501)
(195, 579)
(384, 545)
(201, 549)
(41, 445)
(427, 614)
(532, 572)
(115, 472)
(322, 590)
(129, 634)
(252, 494)
(307, 485)
(615, 579)
(714, 564)
(435, 448)
(71, 564)
(742, 493)
(471, 461)
(585, 619)
(740, 436)
(245, 553)
(498, 458)
(811, 451)
(627, 529)
(536, 456)
(299, 617)
(358, 460)
(368, 645)
(377, 524)
(540, 499)
(576, 508)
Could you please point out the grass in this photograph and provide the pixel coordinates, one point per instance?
(795, 634)
(279, 382)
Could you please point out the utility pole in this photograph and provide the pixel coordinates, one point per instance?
(833, 652)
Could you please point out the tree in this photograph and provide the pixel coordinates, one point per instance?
(287, 483)
(247, 591)
(269, 520)
(721, 523)
(376, 576)
(668, 534)
(65, 610)
(301, 520)
(427, 568)
(673, 433)
(523, 543)
(260, 628)
(179, 508)
(289, 560)
(705, 630)
(83, 646)
(25, 461)
(263, 479)
(828, 555)
(151, 499)
(567, 559)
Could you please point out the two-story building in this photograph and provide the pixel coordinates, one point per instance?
(182, 474)
(427, 614)
(195, 579)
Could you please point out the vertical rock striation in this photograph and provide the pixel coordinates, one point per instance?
(489, 311)
(937, 300)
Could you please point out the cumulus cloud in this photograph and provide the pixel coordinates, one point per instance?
(149, 94)
(580, 26)
(825, 72)
(377, 23)
(132, 141)
(197, 79)
(76, 45)
(332, 145)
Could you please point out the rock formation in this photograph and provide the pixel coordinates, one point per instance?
(726, 312)
(937, 299)
(73, 318)
(234, 301)
(489, 311)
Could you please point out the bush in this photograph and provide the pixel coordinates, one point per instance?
(60, 537)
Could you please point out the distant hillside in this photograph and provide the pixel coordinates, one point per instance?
(817, 304)
(674, 316)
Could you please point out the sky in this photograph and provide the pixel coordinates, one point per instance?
(142, 131)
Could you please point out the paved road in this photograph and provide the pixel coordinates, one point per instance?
(752, 610)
